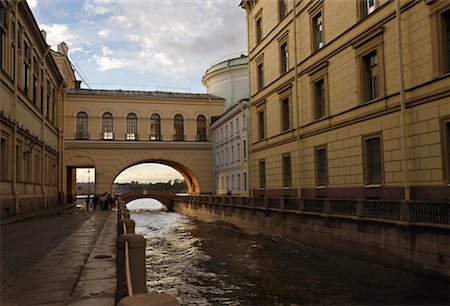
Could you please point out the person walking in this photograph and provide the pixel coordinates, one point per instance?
(94, 202)
(88, 202)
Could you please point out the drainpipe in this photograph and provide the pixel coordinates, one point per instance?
(249, 123)
(44, 194)
(299, 146)
(15, 157)
(402, 105)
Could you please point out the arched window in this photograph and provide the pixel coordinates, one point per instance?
(82, 126)
(201, 128)
(155, 127)
(107, 126)
(178, 126)
(131, 126)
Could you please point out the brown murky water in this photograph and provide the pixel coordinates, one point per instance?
(216, 264)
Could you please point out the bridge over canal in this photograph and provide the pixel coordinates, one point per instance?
(166, 198)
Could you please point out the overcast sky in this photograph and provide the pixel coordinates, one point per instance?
(144, 44)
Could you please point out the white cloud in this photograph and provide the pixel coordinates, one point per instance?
(32, 3)
(57, 33)
(104, 33)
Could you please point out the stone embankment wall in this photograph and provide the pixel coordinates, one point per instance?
(417, 247)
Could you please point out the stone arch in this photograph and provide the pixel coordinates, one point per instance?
(165, 198)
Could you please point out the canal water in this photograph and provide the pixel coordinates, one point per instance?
(217, 264)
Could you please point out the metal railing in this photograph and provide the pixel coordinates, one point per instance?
(406, 211)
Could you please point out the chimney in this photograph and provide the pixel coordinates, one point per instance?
(63, 49)
(78, 84)
(44, 34)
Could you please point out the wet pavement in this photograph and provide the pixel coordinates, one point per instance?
(80, 270)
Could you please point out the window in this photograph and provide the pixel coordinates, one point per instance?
(4, 159)
(41, 106)
(244, 142)
(287, 171)
(217, 159)
(238, 185)
(440, 36)
(370, 76)
(284, 58)
(282, 8)
(366, 7)
(53, 112)
(238, 151)
(49, 92)
(232, 154)
(285, 115)
(260, 76)
(446, 150)
(35, 80)
(12, 36)
(26, 66)
(261, 125)
(82, 126)
(321, 167)
(245, 181)
(178, 126)
(372, 160)
(231, 128)
(131, 127)
(262, 174)
(37, 167)
(317, 32)
(107, 126)
(232, 182)
(19, 158)
(319, 99)
(201, 128)
(258, 27)
(237, 125)
(226, 156)
(155, 127)
(2, 34)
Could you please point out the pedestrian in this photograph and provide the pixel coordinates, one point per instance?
(88, 202)
(94, 202)
(103, 200)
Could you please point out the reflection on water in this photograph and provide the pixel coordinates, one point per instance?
(175, 260)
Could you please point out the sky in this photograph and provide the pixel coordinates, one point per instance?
(144, 44)
(164, 45)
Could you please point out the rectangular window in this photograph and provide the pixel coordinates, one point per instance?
(317, 31)
(287, 171)
(370, 76)
(285, 115)
(4, 161)
(35, 80)
(372, 161)
(258, 27)
(238, 149)
(245, 148)
(41, 105)
(446, 39)
(245, 181)
(261, 125)
(260, 76)
(321, 167)
(47, 108)
(446, 150)
(2, 34)
(237, 125)
(53, 113)
(37, 167)
(440, 36)
(282, 8)
(284, 58)
(12, 37)
(26, 66)
(366, 7)
(262, 174)
(319, 99)
(238, 185)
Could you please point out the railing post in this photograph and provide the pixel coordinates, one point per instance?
(136, 248)
(123, 215)
(327, 206)
(359, 208)
(301, 204)
(405, 211)
(129, 224)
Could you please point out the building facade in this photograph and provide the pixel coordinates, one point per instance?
(31, 113)
(229, 79)
(350, 99)
(111, 130)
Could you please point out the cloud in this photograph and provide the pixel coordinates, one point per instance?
(57, 33)
(32, 3)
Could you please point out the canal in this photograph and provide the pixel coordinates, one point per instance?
(217, 264)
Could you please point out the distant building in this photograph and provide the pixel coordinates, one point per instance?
(229, 79)
(330, 117)
(31, 98)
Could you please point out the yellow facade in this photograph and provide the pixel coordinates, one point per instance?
(31, 111)
(345, 98)
(189, 152)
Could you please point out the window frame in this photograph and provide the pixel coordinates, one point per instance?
(178, 126)
(319, 75)
(321, 167)
(368, 175)
(132, 127)
(316, 10)
(155, 127)
(364, 46)
(262, 174)
(363, 8)
(286, 168)
(258, 27)
(286, 117)
(107, 126)
(82, 126)
(5, 158)
(282, 9)
(261, 123)
(440, 51)
(260, 75)
(3, 34)
(445, 148)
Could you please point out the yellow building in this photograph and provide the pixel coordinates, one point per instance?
(349, 100)
(111, 130)
(31, 113)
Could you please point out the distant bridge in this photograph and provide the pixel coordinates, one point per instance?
(166, 198)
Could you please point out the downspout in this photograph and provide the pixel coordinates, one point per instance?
(15, 157)
(249, 123)
(299, 146)
(61, 119)
(402, 106)
(44, 194)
